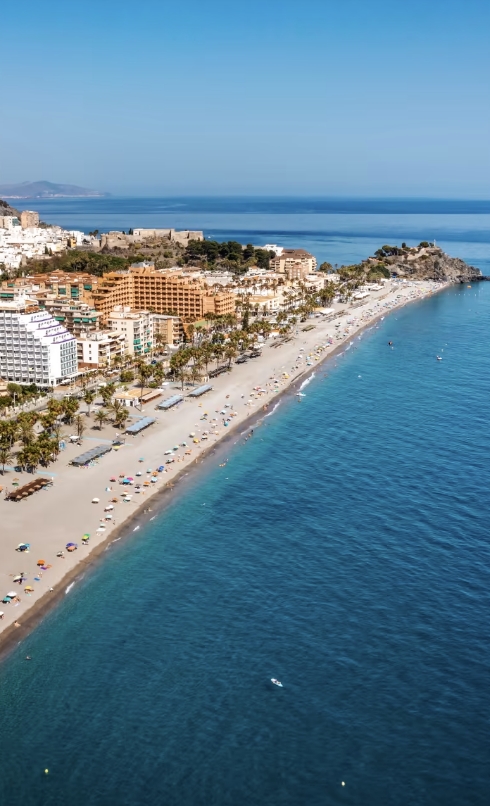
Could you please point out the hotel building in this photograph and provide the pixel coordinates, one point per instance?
(34, 347)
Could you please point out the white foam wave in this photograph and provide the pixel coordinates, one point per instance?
(70, 586)
(136, 528)
(276, 406)
(307, 381)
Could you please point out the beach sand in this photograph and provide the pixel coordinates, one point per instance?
(63, 513)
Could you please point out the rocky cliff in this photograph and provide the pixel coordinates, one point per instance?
(432, 264)
(7, 210)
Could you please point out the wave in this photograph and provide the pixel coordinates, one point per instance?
(276, 406)
(307, 381)
(68, 589)
(136, 528)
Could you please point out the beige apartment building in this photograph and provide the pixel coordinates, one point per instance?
(136, 327)
(28, 218)
(163, 292)
(285, 262)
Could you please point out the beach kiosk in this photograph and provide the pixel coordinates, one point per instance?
(169, 402)
(93, 453)
(140, 425)
(201, 390)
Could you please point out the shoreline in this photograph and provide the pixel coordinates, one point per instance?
(164, 495)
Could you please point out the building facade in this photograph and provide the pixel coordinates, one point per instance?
(34, 347)
(290, 257)
(28, 218)
(99, 349)
(164, 292)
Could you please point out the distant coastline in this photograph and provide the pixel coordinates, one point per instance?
(48, 190)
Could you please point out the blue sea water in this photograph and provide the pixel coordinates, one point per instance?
(337, 230)
(345, 550)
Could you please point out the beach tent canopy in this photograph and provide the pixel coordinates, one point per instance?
(201, 390)
(140, 425)
(93, 453)
(170, 401)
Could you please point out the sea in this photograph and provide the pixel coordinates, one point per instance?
(343, 549)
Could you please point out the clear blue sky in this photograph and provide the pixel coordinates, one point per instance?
(324, 97)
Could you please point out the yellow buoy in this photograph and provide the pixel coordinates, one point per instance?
(46, 771)
(343, 783)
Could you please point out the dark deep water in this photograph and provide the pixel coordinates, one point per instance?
(345, 549)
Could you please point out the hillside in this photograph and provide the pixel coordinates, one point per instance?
(7, 210)
(46, 190)
(424, 262)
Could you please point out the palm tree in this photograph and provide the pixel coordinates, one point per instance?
(116, 409)
(160, 341)
(6, 456)
(144, 374)
(230, 353)
(100, 418)
(88, 398)
(80, 426)
(121, 417)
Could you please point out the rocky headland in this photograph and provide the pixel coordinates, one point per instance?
(424, 262)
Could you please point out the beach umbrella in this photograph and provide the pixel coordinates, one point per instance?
(12, 594)
(41, 562)
(18, 578)
(139, 473)
(71, 545)
(142, 459)
(86, 535)
(161, 469)
(28, 588)
(113, 478)
(95, 500)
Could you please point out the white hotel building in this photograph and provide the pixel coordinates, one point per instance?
(34, 347)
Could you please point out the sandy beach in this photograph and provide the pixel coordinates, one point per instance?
(64, 512)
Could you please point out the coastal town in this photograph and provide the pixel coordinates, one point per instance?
(92, 363)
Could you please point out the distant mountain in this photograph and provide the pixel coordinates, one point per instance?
(46, 190)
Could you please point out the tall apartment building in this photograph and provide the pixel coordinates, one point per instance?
(137, 329)
(34, 347)
(164, 292)
(289, 257)
(28, 218)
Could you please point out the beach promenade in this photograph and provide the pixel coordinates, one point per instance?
(64, 513)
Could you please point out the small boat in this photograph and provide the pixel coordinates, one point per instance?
(276, 682)
(439, 358)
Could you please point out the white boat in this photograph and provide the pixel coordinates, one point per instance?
(276, 682)
(439, 358)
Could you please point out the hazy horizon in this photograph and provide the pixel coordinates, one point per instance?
(317, 99)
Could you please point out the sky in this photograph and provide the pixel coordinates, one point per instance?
(267, 97)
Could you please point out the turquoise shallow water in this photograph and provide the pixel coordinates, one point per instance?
(345, 550)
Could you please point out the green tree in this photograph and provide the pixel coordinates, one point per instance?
(100, 418)
(6, 456)
(80, 426)
(88, 398)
